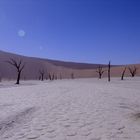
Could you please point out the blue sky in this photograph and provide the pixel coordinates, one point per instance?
(93, 31)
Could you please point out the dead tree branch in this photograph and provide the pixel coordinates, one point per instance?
(100, 71)
(133, 71)
(19, 65)
(42, 73)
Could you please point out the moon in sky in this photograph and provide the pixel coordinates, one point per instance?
(21, 33)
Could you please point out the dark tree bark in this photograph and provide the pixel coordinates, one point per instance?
(42, 73)
(19, 65)
(109, 69)
(100, 71)
(50, 76)
(133, 71)
(72, 75)
(53, 77)
(122, 76)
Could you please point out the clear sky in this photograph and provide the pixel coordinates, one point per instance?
(93, 31)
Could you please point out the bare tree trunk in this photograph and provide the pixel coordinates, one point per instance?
(100, 76)
(53, 77)
(100, 71)
(133, 71)
(72, 75)
(42, 73)
(50, 77)
(42, 77)
(122, 77)
(109, 67)
(18, 65)
(18, 78)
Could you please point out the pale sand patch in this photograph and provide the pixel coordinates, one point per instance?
(80, 109)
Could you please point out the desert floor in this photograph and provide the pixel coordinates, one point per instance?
(79, 109)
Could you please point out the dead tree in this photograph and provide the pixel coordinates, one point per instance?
(132, 71)
(42, 73)
(50, 76)
(46, 75)
(109, 67)
(122, 76)
(72, 75)
(19, 65)
(53, 77)
(100, 71)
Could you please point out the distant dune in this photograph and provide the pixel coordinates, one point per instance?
(58, 68)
